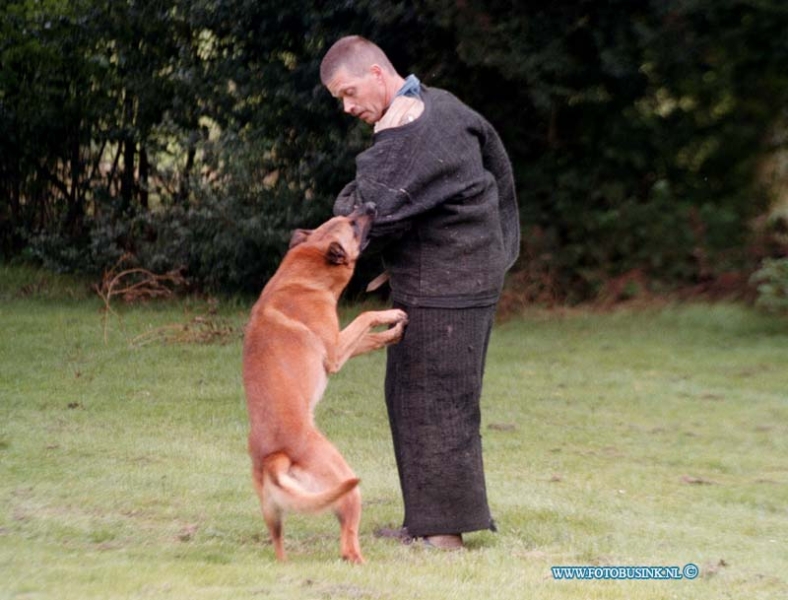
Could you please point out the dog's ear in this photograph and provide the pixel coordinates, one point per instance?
(336, 254)
(299, 237)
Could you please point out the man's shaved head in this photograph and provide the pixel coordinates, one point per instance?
(356, 55)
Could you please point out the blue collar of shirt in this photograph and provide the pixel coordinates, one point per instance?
(411, 87)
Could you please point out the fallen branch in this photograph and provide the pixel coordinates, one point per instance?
(135, 284)
(200, 330)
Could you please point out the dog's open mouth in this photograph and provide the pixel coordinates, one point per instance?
(362, 219)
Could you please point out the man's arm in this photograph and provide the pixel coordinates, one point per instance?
(497, 162)
(347, 200)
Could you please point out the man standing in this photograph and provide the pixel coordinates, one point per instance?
(447, 214)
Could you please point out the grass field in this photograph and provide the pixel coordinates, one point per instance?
(655, 437)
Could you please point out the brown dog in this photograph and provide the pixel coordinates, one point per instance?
(292, 343)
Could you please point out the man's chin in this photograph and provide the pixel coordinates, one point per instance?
(368, 117)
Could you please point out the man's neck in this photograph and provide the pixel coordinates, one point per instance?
(393, 84)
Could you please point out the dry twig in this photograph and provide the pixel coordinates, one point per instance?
(200, 330)
(134, 284)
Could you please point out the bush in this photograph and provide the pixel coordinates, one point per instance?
(772, 284)
(228, 237)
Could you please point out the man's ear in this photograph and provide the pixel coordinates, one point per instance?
(336, 254)
(299, 237)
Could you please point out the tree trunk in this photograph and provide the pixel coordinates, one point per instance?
(129, 149)
(76, 210)
(185, 185)
(144, 171)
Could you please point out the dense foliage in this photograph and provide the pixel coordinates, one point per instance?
(195, 133)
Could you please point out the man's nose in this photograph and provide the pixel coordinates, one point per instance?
(348, 106)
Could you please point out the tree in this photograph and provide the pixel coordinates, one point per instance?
(197, 132)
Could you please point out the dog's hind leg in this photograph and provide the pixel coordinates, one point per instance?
(327, 468)
(348, 511)
(272, 513)
(273, 519)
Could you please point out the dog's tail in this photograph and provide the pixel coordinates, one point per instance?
(288, 494)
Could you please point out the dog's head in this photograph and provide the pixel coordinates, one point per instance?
(340, 239)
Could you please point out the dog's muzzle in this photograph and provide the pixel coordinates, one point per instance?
(368, 209)
(362, 217)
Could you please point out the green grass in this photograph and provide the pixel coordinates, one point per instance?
(651, 437)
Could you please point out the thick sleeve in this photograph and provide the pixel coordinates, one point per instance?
(385, 178)
(347, 200)
(407, 173)
(496, 161)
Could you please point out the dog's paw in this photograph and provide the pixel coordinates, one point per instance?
(395, 316)
(354, 559)
(395, 334)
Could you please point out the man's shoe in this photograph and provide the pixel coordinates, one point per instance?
(444, 542)
(394, 533)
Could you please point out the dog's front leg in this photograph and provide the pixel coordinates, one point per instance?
(356, 338)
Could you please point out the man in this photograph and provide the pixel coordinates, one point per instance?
(447, 214)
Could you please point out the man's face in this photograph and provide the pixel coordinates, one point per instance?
(362, 96)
